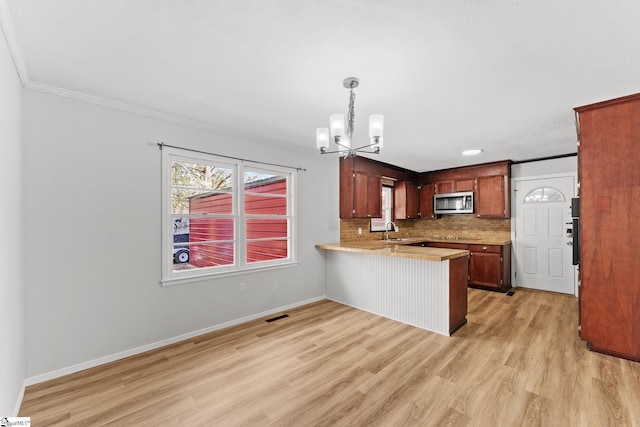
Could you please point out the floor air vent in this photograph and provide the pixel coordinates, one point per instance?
(273, 319)
(511, 293)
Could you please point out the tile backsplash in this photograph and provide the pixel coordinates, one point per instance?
(461, 226)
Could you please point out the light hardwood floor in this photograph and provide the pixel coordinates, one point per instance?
(518, 361)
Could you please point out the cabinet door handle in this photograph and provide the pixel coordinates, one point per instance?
(484, 248)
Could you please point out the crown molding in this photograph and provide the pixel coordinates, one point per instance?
(80, 96)
(105, 102)
(6, 23)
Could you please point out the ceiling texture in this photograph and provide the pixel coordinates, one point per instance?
(448, 75)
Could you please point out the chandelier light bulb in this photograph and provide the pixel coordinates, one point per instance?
(337, 125)
(376, 125)
(322, 138)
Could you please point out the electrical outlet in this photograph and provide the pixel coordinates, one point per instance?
(243, 287)
(359, 230)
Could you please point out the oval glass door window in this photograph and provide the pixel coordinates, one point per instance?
(544, 195)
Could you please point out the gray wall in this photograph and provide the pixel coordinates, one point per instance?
(92, 235)
(12, 331)
(545, 167)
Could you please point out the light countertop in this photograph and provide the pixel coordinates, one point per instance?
(397, 249)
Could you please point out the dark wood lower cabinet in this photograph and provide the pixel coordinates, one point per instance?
(489, 265)
(484, 269)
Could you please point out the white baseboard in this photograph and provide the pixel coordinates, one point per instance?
(19, 400)
(121, 355)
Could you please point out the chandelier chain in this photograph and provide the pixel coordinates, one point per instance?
(351, 115)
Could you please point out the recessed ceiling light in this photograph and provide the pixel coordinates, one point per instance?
(472, 152)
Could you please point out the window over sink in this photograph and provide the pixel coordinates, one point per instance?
(378, 224)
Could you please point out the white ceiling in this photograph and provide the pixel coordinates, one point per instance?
(501, 75)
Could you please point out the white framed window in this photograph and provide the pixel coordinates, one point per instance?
(224, 216)
(378, 224)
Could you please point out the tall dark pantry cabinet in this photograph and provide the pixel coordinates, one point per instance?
(609, 177)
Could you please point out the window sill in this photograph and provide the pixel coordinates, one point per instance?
(212, 276)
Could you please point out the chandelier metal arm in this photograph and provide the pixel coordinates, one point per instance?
(324, 151)
(351, 152)
(355, 152)
(377, 151)
(338, 142)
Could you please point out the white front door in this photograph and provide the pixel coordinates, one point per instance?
(543, 251)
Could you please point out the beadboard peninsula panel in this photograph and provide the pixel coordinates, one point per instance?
(411, 291)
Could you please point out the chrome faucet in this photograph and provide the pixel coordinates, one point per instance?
(386, 229)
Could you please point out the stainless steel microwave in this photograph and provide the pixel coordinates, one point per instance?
(453, 203)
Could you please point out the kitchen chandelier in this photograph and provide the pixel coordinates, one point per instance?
(344, 139)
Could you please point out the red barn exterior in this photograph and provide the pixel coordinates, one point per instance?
(265, 197)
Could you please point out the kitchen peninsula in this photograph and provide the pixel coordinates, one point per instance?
(421, 286)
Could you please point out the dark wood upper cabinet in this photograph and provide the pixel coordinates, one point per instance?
(454, 185)
(490, 183)
(347, 188)
(360, 194)
(444, 186)
(360, 188)
(406, 203)
(426, 200)
(492, 197)
(367, 197)
(609, 295)
(464, 185)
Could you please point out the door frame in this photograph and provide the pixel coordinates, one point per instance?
(514, 212)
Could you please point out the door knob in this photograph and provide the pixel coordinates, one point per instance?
(570, 243)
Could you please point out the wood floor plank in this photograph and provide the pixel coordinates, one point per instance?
(518, 361)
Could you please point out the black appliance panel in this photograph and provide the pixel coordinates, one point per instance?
(575, 213)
